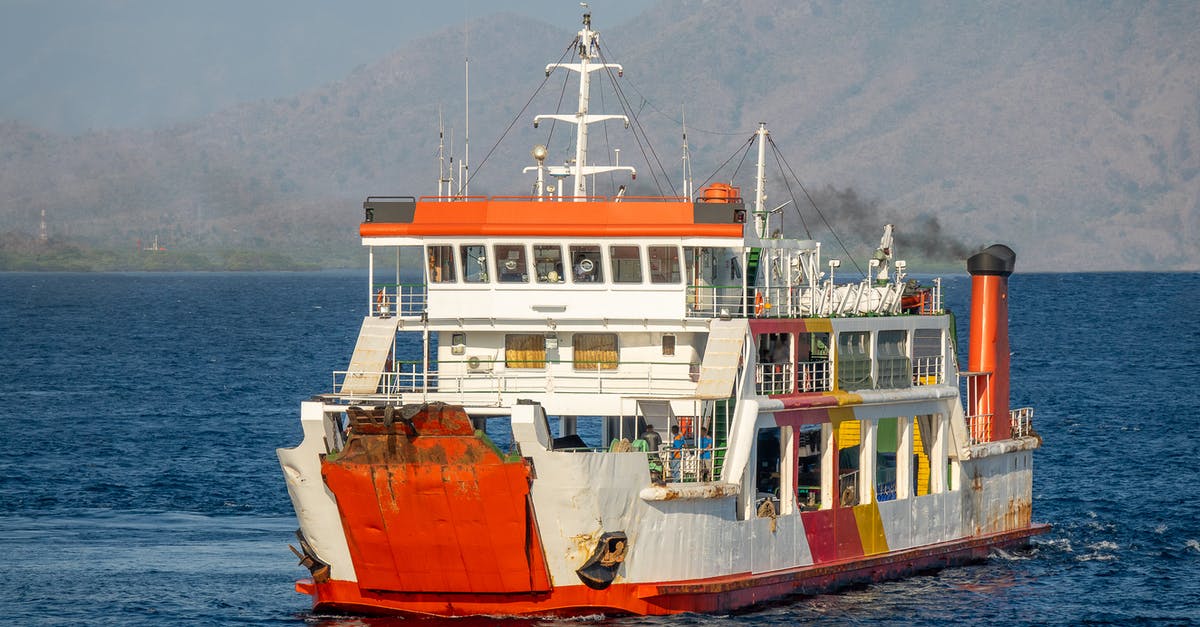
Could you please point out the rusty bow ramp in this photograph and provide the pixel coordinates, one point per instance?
(430, 506)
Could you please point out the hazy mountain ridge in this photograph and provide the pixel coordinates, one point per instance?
(1065, 130)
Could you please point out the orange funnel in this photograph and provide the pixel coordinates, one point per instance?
(990, 270)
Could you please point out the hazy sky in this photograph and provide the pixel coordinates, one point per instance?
(74, 65)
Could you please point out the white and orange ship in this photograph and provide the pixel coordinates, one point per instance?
(646, 405)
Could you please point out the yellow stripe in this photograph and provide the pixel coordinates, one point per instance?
(870, 529)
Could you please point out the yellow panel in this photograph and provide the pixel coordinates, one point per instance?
(922, 460)
(818, 325)
(870, 529)
(849, 434)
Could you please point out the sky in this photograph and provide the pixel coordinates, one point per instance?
(72, 66)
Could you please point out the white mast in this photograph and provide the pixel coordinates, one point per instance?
(687, 161)
(760, 191)
(589, 42)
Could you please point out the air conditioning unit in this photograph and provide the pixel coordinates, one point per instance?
(480, 363)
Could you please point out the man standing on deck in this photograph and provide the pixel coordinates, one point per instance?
(706, 451)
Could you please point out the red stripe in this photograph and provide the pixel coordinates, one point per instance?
(704, 595)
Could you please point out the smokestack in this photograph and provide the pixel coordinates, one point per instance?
(989, 271)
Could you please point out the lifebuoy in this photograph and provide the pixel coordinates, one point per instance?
(760, 306)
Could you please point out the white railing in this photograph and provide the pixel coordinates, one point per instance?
(464, 384)
(405, 299)
(815, 376)
(788, 302)
(1022, 422)
(928, 370)
(979, 409)
(774, 379)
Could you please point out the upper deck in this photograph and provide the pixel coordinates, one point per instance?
(513, 259)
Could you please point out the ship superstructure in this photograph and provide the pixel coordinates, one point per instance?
(695, 415)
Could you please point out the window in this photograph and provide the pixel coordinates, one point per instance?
(664, 264)
(510, 263)
(626, 264)
(775, 370)
(547, 263)
(927, 356)
(595, 351)
(474, 263)
(812, 356)
(922, 444)
(886, 440)
(767, 470)
(808, 467)
(525, 350)
(891, 355)
(441, 264)
(585, 264)
(668, 345)
(458, 343)
(854, 360)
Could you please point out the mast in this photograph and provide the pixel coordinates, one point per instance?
(588, 42)
(760, 188)
(687, 161)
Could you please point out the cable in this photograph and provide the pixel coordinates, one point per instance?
(515, 118)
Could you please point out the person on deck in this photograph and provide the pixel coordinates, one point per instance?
(677, 443)
(706, 452)
(653, 444)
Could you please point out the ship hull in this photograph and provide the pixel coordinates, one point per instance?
(716, 594)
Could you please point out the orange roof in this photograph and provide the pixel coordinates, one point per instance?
(603, 218)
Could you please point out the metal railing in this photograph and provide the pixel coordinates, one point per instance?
(774, 379)
(928, 370)
(399, 299)
(477, 379)
(979, 407)
(862, 298)
(1022, 422)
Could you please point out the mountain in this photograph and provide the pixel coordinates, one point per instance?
(1062, 129)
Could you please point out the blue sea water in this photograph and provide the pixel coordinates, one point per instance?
(139, 484)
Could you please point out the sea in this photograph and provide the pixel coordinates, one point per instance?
(139, 483)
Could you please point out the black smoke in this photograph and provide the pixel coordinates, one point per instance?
(858, 222)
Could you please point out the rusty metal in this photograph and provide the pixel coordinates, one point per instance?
(601, 568)
(309, 560)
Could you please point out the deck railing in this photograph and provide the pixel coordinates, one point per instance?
(478, 380)
(928, 370)
(398, 299)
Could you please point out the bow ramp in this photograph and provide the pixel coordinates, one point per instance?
(726, 340)
(375, 340)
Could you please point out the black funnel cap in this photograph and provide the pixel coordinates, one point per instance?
(995, 260)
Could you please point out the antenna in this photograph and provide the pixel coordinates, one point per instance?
(465, 180)
(687, 160)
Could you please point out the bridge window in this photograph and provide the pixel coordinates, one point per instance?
(548, 263)
(511, 266)
(441, 264)
(474, 263)
(664, 264)
(626, 264)
(525, 350)
(595, 351)
(585, 264)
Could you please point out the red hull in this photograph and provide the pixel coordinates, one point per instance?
(705, 595)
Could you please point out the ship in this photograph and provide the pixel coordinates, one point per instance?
(567, 404)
